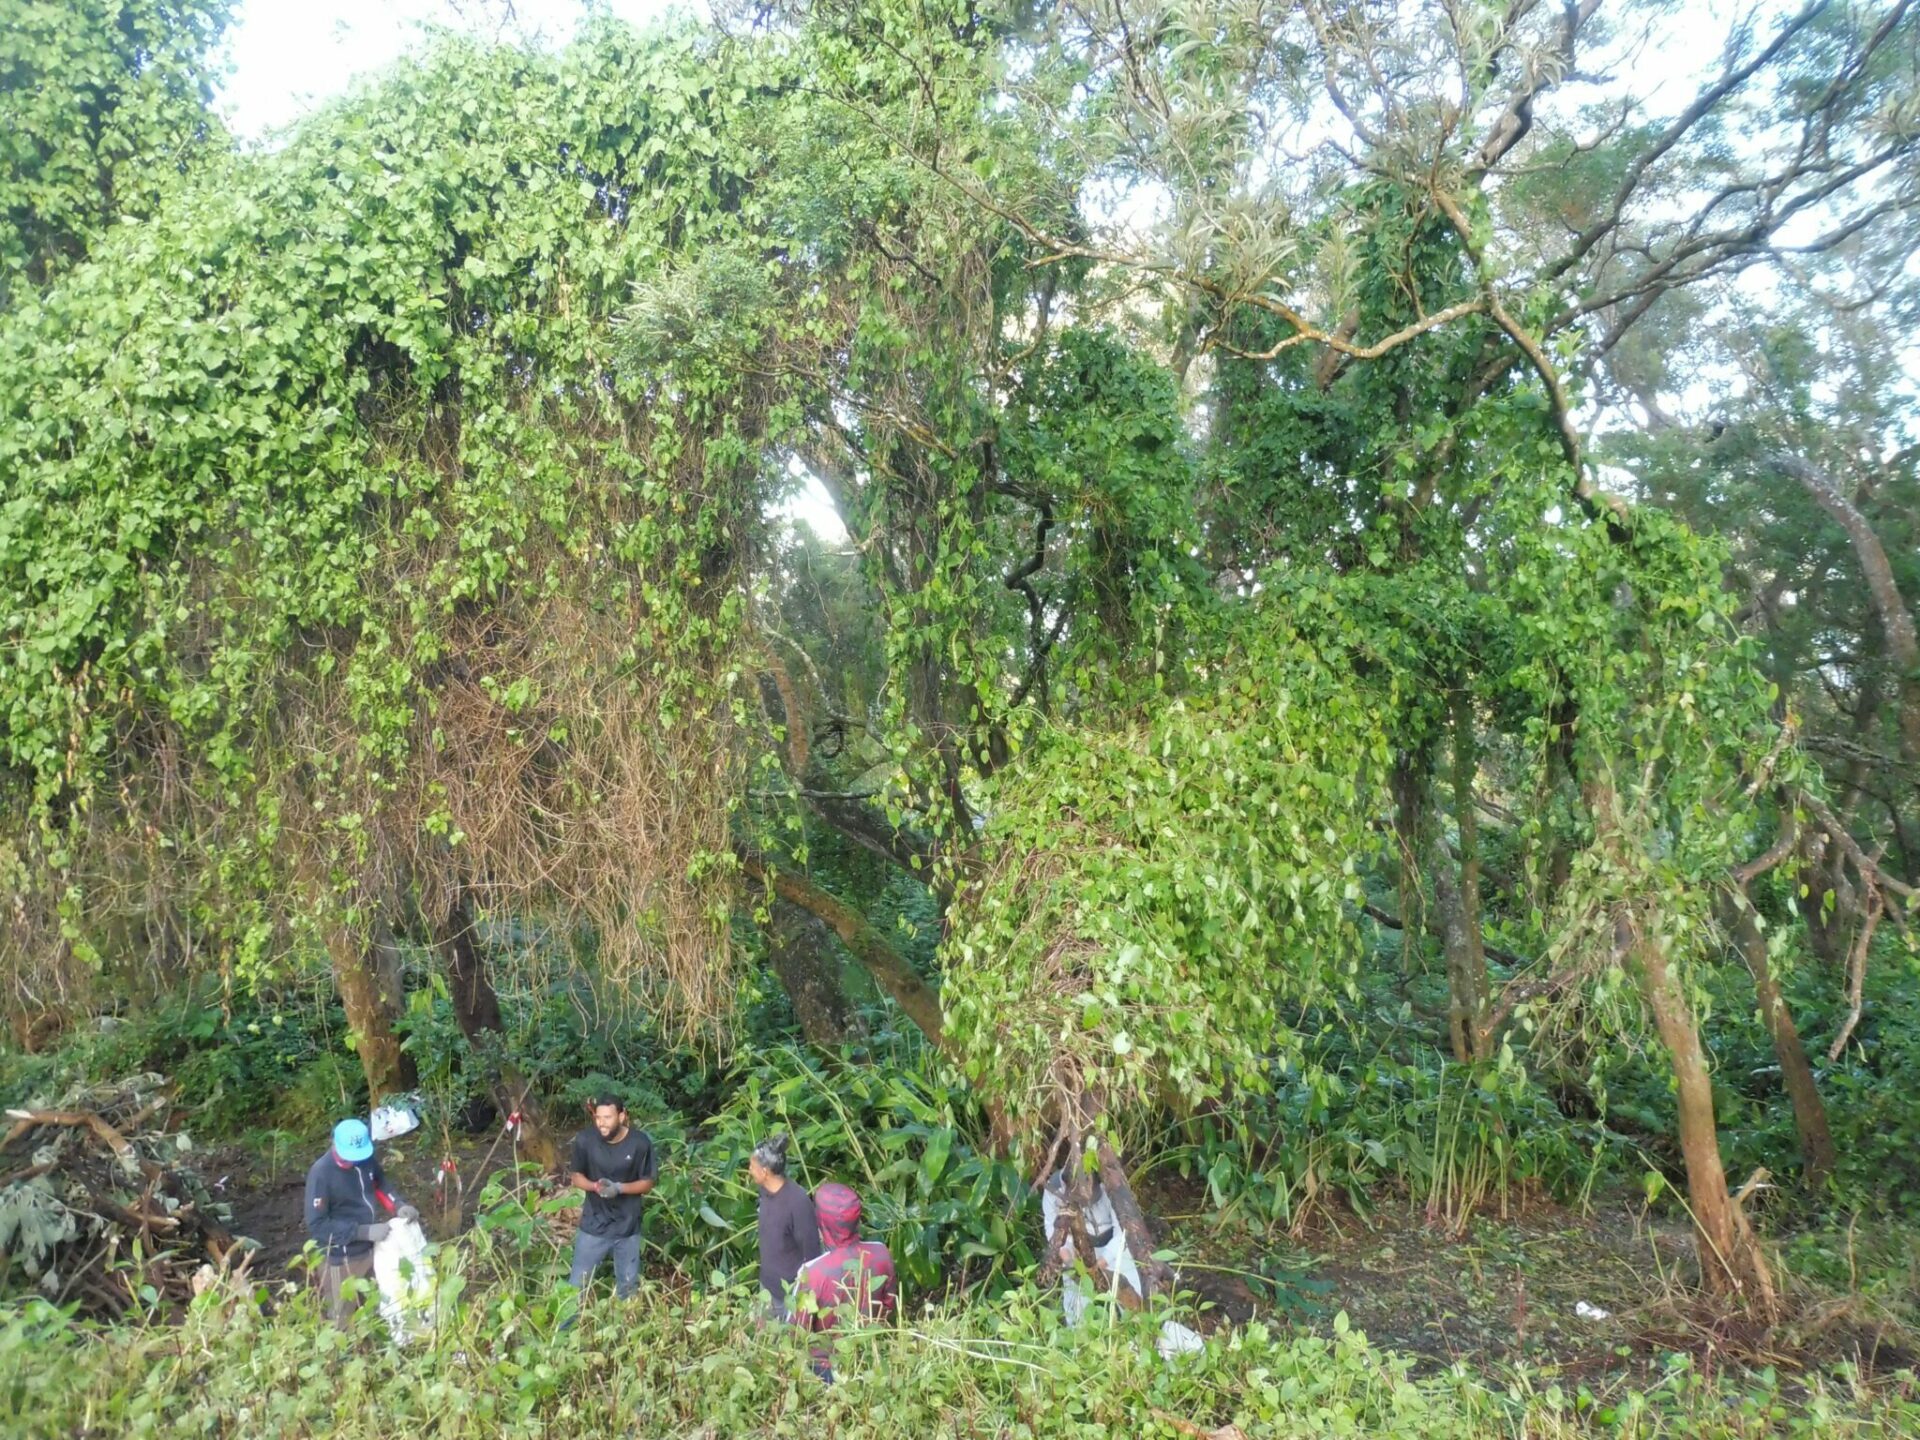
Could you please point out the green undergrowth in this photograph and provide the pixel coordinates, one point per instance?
(1868, 1088)
(685, 1362)
(1460, 1140)
(236, 1062)
(903, 1136)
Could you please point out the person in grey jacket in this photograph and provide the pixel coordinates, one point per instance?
(349, 1208)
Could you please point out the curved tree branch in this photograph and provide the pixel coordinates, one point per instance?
(1896, 619)
(887, 966)
(1021, 580)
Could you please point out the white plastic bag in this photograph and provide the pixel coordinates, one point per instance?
(404, 1272)
(1176, 1340)
(1075, 1294)
(392, 1120)
(1099, 1219)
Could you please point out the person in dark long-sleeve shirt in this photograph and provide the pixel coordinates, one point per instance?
(789, 1234)
(349, 1205)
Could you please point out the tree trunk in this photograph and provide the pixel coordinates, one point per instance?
(801, 953)
(389, 1069)
(888, 968)
(1126, 1209)
(1730, 1260)
(1461, 1025)
(476, 1007)
(867, 826)
(1896, 620)
(1467, 951)
(1561, 777)
(1809, 1111)
(1828, 929)
(389, 971)
(1460, 943)
(1409, 787)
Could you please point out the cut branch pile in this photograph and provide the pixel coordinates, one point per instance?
(96, 1206)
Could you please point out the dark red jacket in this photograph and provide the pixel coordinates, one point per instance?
(852, 1277)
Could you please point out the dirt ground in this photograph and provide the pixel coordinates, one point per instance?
(1577, 1296)
(267, 1191)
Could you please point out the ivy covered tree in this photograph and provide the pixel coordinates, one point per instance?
(1270, 519)
(1351, 236)
(102, 104)
(332, 503)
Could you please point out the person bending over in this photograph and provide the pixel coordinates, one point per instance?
(851, 1280)
(349, 1205)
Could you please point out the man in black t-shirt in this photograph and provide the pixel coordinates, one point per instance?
(613, 1163)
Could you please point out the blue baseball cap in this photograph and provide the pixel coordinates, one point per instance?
(352, 1142)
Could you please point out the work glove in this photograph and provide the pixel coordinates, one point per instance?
(375, 1232)
(609, 1189)
(407, 1212)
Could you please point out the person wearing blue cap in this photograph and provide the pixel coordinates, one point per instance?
(349, 1208)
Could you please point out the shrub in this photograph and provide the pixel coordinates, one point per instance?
(680, 1362)
(901, 1134)
(1457, 1138)
(234, 1060)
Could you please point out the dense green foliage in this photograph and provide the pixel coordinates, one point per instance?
(102, 102)
(1229, 825)
(678, 1364)
(370, 402)
(1240, 737)
(909, 1142)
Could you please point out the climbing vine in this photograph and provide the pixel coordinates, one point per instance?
(353, 550)
(1157, 901)
(103, 107)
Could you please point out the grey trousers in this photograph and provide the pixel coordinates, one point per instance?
(590, 1250)
(338, 1307)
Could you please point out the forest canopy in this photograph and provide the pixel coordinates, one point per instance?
(1349, 523)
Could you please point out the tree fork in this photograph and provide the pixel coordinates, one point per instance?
(888, 968)
(1730, 1259)
(1890, 606)
(797, 949)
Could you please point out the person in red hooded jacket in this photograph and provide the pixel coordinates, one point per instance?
(851, 1279)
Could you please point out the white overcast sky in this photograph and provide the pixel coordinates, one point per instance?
(285, 57)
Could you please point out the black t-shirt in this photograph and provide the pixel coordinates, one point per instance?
(789, 1236)
(628, 1159)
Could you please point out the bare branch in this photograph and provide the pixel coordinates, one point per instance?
(1703, 104)
(1774, 854)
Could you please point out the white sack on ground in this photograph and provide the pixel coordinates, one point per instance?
(1100, 1222)
(1075, 1294)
